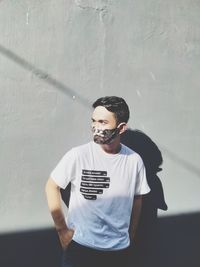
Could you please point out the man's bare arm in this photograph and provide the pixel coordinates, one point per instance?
(135, 216)
(54, 203)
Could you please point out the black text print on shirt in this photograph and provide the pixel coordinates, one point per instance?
(93, 183)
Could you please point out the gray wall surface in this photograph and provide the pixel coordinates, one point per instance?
(58, 56)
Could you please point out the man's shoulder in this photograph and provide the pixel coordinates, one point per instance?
(130, 152)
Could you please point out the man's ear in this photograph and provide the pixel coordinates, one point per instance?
(122, 127)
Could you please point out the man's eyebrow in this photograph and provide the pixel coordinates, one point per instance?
(99, 120)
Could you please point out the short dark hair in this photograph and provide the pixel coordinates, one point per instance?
(114, 104)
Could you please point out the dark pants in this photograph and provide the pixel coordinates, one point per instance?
(77, 255)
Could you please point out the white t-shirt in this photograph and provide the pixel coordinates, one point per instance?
(103, 187)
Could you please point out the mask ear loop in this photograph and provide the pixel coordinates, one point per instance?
(122, 127)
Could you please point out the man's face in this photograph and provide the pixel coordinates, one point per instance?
(104, 125)
(103, 119)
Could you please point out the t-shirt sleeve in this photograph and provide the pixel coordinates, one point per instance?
(64, 172)
(142, 186)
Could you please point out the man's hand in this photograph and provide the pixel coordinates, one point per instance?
(54, 202)
(65, 236)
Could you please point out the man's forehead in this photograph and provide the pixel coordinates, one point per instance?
(102, 113)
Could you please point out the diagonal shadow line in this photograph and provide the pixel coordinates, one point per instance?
(42, 75)
(186, 165)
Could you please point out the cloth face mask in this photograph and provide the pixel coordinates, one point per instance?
(106, 136)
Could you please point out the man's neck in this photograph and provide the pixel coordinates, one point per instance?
(112, 148)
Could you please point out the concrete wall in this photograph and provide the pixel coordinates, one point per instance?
(58, 56)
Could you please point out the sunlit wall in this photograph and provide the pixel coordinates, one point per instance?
(57, 57)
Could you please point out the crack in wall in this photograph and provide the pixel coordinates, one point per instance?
(103, 49)
(100, 7)
(91, 5)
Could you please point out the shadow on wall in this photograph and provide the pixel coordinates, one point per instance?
(30, 249)
(178, 245)
(44, 76)
(145, 247)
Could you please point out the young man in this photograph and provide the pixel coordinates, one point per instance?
(107, 183)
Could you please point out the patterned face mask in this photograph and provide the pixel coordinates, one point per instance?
(106, 136)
